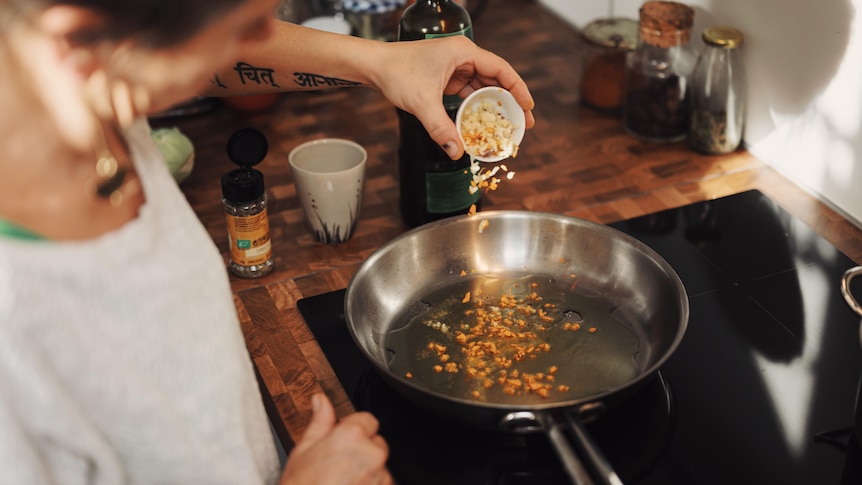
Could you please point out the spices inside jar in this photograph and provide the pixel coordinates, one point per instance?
(658, 107)
(709, 132)
(608, 41)
(657, 104)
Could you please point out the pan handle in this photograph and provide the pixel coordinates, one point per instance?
(845, 288)
(554, 425)
(848, 296)
(603, 468)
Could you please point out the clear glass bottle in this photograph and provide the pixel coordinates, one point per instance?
(432, 186)
(244, 201)
(657, 100)
(718, 93)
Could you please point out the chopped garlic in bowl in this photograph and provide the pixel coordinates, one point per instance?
(490, 124)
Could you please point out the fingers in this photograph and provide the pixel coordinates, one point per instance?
(383, 478)
(362, 427)
(322, 420)
(529, 119)
(468, 89)
(519, 91)
(480, 68)
(441, 129)
(453, 65)
(346, 452)
(358, 432)
(492, 70)
(359, 426)
(365, 422)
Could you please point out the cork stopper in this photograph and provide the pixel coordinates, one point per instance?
(665, 24)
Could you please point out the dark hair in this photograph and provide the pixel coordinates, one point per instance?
(152, 23)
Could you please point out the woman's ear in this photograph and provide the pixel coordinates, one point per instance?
(74, 33)
(78, 38)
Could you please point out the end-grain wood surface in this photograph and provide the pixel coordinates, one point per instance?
(575, 161)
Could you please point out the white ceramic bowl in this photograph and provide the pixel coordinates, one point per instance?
(506, 106)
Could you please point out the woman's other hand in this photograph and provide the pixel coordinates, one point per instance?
(346, 452)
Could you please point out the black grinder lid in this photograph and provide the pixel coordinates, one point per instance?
(246, 148)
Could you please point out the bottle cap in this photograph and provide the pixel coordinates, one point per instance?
(242, 185)
(614, 33)
(246, 148)
(724, 37)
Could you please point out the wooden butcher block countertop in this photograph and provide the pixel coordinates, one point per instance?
(575, 161)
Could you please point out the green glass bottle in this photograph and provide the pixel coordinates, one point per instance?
(432, 186)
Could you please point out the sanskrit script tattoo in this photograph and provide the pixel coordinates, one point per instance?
(257, 75)
(309, 80)
(215, 80)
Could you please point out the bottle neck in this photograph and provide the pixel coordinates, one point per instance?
(434, 18)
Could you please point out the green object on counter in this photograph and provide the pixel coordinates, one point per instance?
(178, 151)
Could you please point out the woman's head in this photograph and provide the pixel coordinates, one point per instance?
(153, 23)
(160, 52)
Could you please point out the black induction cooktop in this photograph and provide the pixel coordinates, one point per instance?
(762, 389)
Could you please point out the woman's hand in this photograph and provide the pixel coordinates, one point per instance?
(349, 452)
(415, 75)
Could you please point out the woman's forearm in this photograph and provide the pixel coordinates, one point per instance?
(297, 58)
(413, 76)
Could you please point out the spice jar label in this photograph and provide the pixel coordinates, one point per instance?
(250, 244)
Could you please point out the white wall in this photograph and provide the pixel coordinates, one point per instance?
(804, 64)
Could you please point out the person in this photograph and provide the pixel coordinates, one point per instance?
(121, 355)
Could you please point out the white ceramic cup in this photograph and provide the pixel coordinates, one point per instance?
(329, 175)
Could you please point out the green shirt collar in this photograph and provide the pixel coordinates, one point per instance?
(14, 231)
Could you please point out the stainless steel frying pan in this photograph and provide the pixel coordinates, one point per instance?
(637, 287)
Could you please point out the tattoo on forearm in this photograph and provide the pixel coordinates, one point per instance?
(258, 75)
(215, 80)
(309, 80)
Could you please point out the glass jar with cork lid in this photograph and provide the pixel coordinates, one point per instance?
(607, 41)
(657, 78)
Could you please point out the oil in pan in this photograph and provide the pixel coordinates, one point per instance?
(515, 340)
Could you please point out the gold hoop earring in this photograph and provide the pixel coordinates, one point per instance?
(116, 102)
(111, 175)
